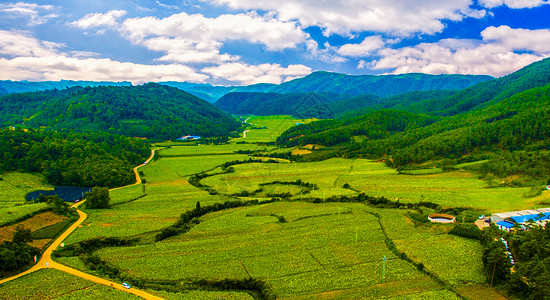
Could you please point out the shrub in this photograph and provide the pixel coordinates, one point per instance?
(466, 230)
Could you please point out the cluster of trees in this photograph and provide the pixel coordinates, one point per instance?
(17, 254)
(72, 158)
(531, 252)
(151, 110)
(98, 198)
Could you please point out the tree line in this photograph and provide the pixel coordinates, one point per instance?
(72, 158)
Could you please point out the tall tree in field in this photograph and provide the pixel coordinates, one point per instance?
(98, 198)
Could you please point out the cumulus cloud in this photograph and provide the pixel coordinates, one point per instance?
(62, 67)
(453, 56)
(252, 74)
(537, 41)
(513, 3)
(93, 20)
(399, 17)
(18, 43)
(197, 39)
(34, 12)
(33, 59)
(365, 48)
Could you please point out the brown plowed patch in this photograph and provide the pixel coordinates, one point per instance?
(35, 223)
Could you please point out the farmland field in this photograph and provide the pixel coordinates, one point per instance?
(275, 125)
(13, 188)
(54, 284)
(307, 258)
(297, 248)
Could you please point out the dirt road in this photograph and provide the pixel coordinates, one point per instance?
(47, 262)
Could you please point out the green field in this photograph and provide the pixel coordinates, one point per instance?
(275, 126)
(300, 249)
(304, 257)
(54, 284)
(14, 186)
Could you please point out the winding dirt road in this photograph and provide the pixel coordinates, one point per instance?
(47, 262)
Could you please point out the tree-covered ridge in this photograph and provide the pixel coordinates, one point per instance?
(514, 132)
(489, 92)
(382, 85)
(299, 105)
(71, 158)
(375, 126)
(151, 111)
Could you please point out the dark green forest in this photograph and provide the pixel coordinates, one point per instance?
(513, 133)
(151, 111)
(72, 158)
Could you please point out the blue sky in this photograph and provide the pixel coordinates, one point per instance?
(253, 41)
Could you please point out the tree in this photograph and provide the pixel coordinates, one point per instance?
(22, 235)
(98, 198)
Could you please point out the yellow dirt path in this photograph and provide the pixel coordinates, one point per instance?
(47, 262)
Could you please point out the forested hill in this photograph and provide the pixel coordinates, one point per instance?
(514, 134)
(151, 111)
(72, 158)
(382, 85)
(13, 87)
(300, 105)
(487, 93)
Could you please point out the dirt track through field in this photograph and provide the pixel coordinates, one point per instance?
(47, 262)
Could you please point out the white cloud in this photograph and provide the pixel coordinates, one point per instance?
(365, 48)
(167, 6)
(62, 67)
(344, 17)
(198, 39)
(252, 74)
(453, 57)
(513, 3)
(30, 10)
(537, 41)
(93, 20)
(328, 54)
(17, 43)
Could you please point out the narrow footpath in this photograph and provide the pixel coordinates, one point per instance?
(47, 262)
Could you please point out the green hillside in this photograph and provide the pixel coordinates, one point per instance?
(489, 92)
(383, 85)
(151, 111)
(299, 105)
(13, 87)
(514, 134)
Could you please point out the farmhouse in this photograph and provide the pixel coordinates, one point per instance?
(189, 138)
(506, 221)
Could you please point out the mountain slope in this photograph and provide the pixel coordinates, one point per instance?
(490, 92)
(300, 105)
(152, 111)
(382, 85)
(12, 87)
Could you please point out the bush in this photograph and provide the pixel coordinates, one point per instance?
(466, 230)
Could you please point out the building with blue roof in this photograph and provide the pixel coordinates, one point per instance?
(521, 219)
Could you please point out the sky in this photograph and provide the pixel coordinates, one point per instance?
(242, 42)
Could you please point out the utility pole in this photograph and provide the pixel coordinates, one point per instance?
(384, 270)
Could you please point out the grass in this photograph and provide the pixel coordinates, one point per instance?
(51, 283)
(13, 188)
(314, 252)
(275, 126)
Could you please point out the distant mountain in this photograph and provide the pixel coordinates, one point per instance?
(318, 82)
(381, 85)
(489, 92)
(11, 87)
(151, 110)
(300, 105)
(212, 93)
